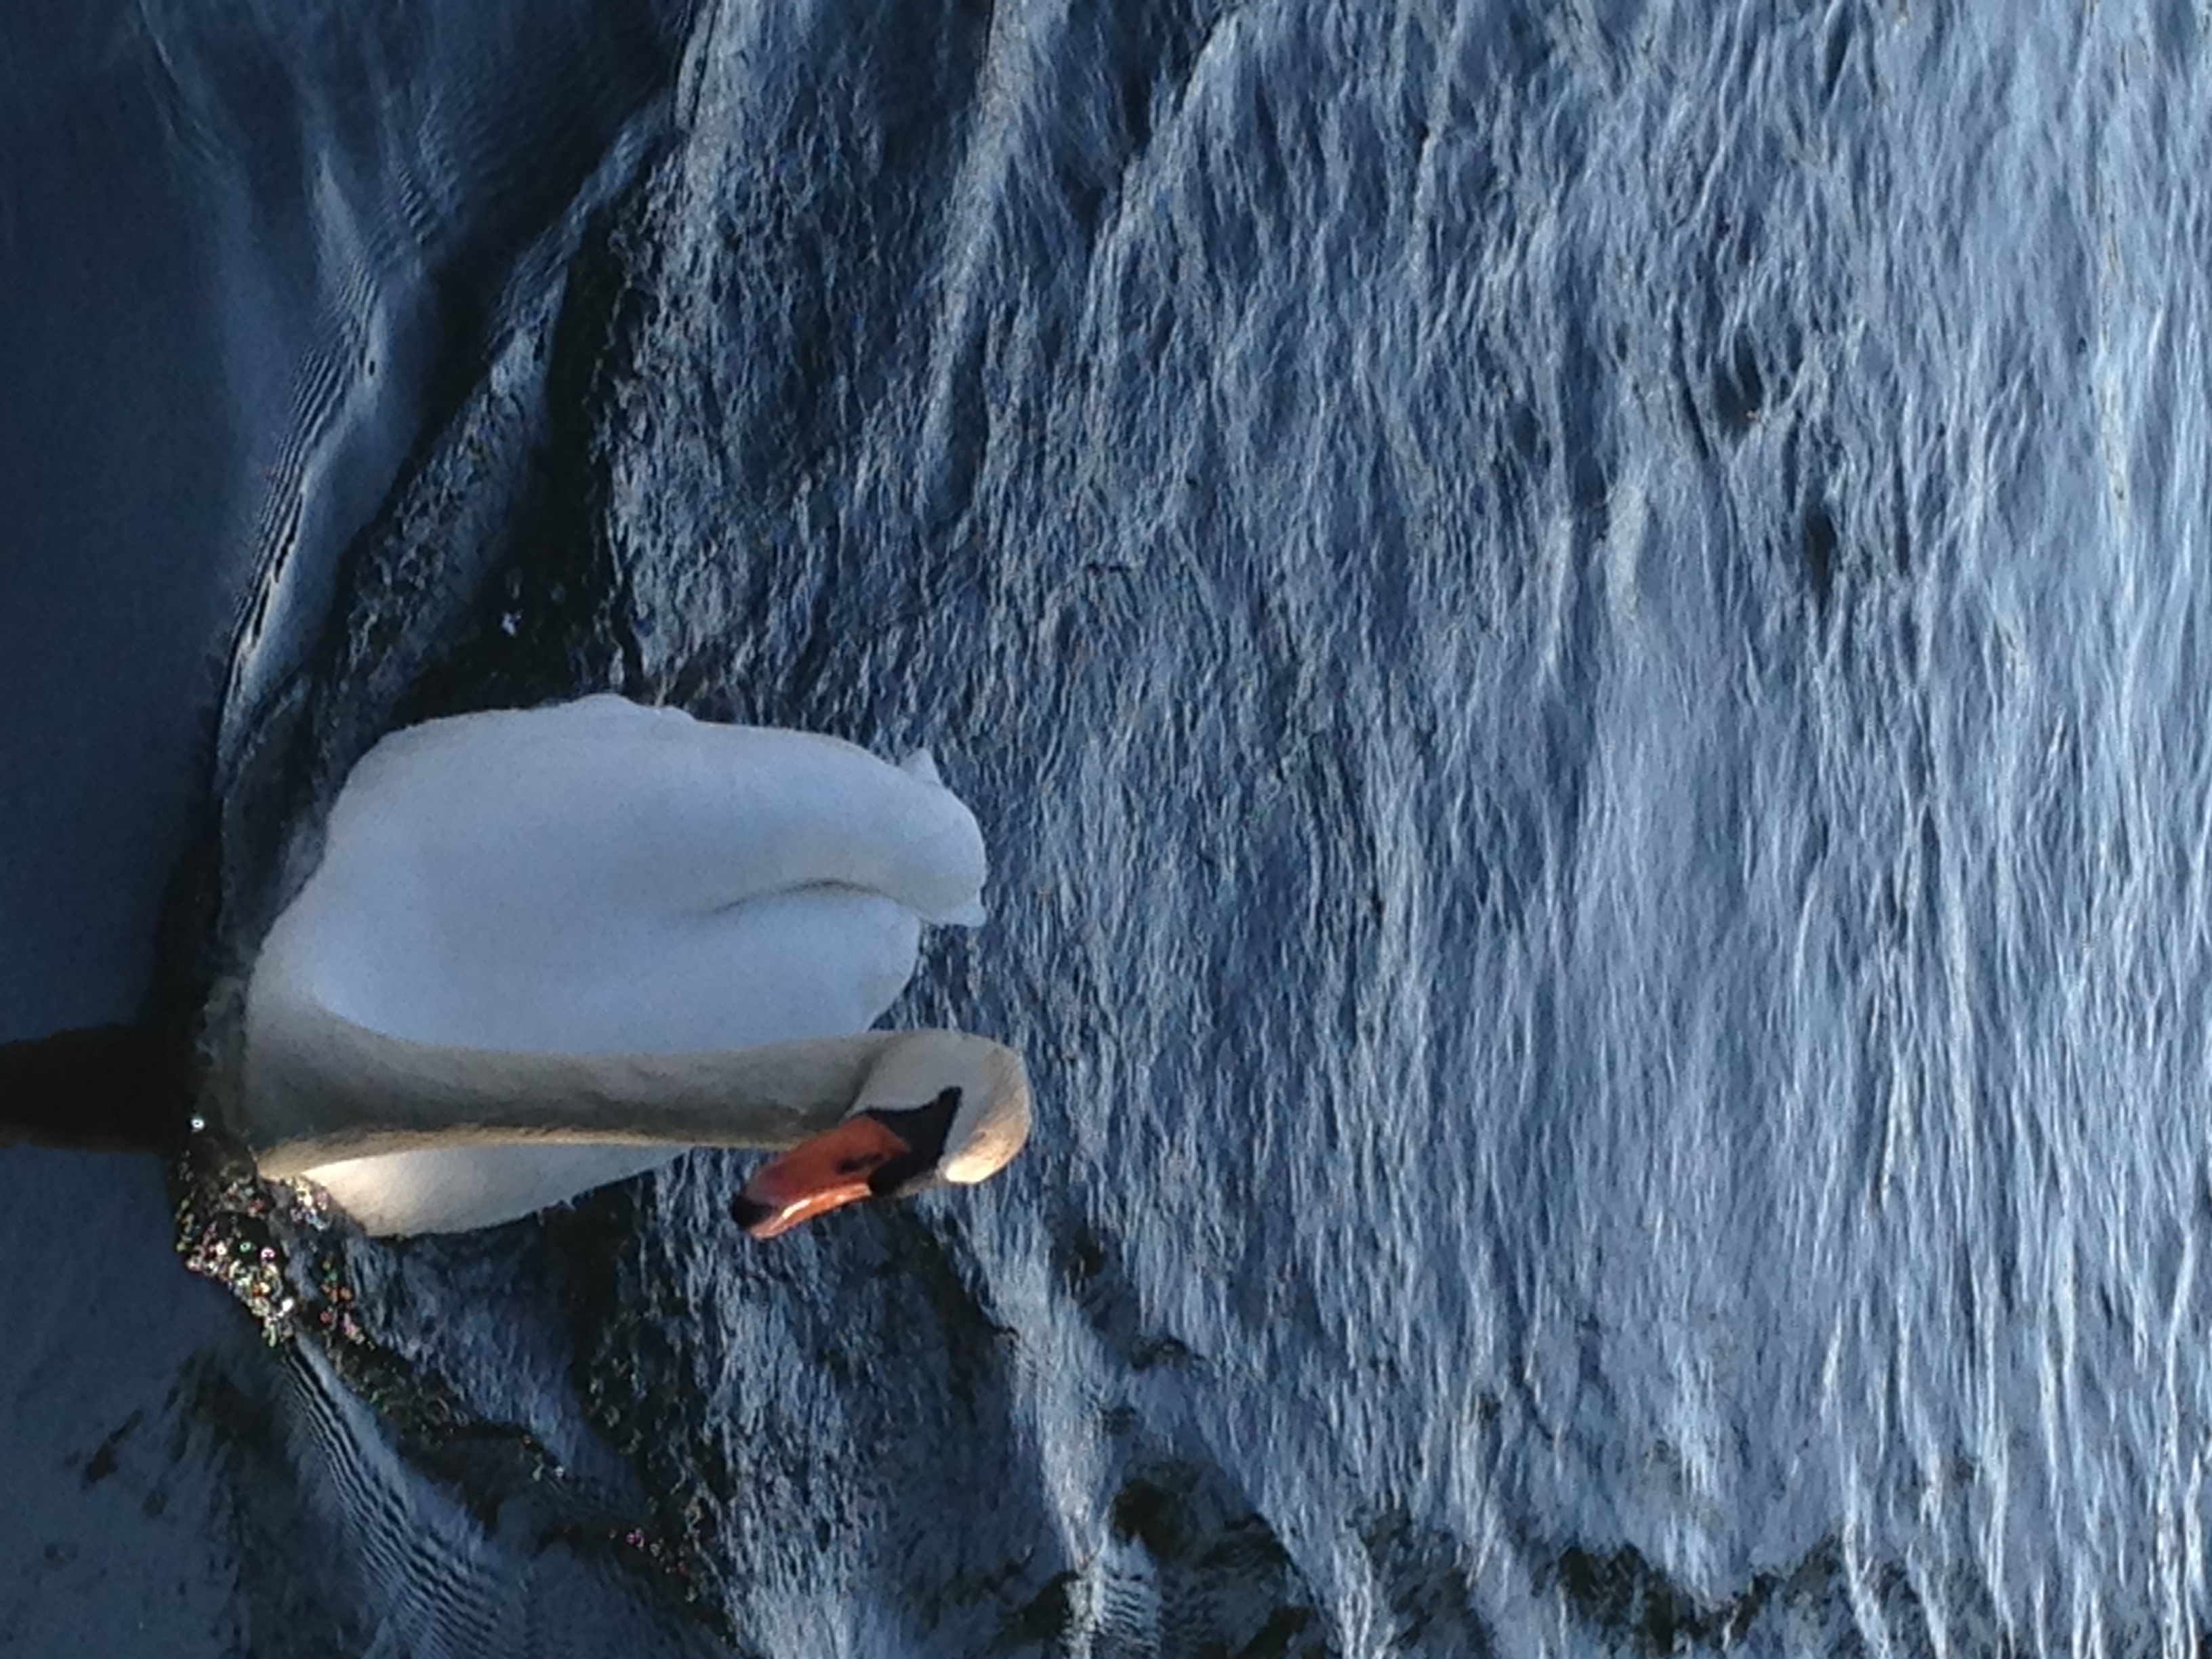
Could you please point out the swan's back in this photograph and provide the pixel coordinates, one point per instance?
(599, 877)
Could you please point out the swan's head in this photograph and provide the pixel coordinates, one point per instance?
(938, 1107)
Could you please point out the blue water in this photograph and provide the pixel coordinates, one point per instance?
(1577, 634)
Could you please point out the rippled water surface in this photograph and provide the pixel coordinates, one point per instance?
(1577, 631)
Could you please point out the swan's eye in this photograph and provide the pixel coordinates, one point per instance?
(923, 1128)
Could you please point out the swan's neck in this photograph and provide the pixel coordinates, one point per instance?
(321, 1088)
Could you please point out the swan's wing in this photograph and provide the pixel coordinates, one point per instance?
(603, 806)
(821, 962)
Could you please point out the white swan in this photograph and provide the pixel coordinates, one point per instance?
(546, 950)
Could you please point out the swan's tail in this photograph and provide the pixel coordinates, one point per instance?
(104, 1088)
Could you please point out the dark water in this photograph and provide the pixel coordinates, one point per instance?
(1576, 632)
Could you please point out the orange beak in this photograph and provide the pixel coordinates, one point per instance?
(816, 1176)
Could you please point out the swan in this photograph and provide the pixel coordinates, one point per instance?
(547, 949)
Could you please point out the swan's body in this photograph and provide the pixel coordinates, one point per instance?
(544, 951)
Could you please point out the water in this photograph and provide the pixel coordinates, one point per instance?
(1576, 637)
